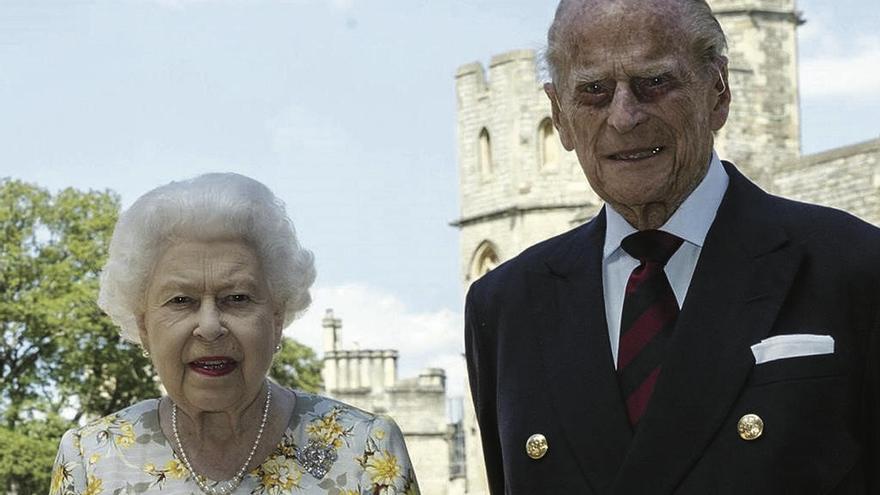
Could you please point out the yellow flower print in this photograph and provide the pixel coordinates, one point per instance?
(94, 486)
(349, 492)
(383, 468)
(126, 437)
(93, 459)
(327, 430)
(379, 434)
(149, 468)
(279, 474)
(175, 469)
(59, 474)
(77, 442)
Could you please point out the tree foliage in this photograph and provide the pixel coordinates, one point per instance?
(27, 453)
(296, 366)
(58, 349)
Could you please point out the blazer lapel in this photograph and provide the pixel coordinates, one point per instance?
(744, 272)
(576, 355)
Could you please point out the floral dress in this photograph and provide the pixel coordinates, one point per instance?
(328, 448)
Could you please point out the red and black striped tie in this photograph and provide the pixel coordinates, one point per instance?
(649, 314)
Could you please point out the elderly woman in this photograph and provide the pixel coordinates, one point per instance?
(205, 274)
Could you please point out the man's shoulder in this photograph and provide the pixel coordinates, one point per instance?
(509, 275)
(822, 224)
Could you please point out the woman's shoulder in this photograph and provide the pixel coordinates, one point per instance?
(123, 427)
(333, 422)
(310, 404)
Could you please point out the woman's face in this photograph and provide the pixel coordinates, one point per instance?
(210, 325)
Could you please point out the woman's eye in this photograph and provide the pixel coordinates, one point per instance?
(180, 300)
(238, 298)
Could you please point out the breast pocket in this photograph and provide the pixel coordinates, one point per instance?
(796, 368)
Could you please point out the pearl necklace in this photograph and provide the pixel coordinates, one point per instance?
(236, 480)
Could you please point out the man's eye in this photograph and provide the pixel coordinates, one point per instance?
(593, 88)
(594, 92)
(180, 300)
(648, 88)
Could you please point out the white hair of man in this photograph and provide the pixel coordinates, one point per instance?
(205, 208)
(707, 37)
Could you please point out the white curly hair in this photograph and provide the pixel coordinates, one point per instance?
(207, 207)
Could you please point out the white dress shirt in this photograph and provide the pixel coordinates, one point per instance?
(691, 222)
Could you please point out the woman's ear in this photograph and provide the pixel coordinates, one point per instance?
(278, 327)
(142, 333)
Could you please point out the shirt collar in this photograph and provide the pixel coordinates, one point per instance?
(692, 219)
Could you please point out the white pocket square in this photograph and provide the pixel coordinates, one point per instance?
(792, 345)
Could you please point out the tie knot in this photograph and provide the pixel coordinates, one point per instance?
(651, 245)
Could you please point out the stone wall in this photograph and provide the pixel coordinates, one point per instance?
(846, 178)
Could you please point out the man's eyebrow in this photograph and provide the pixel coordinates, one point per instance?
(587, 74)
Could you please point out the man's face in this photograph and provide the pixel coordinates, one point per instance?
(635, 105)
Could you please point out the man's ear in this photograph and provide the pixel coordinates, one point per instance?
(559, 121)
(718, 116)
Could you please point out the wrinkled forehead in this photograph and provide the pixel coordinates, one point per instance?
(644, 31)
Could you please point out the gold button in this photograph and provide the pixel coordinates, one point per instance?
(536, 446)
(750, 427)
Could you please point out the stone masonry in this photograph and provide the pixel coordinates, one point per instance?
(368, 379)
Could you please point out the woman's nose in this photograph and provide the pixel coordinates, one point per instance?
(209, 327)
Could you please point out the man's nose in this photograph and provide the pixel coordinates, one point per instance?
(625, 110)
(209, 327)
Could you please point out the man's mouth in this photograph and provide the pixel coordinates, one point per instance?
(637, 154)
(213, 365)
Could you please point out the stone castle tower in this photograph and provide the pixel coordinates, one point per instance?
(518, 186)
(368, 379)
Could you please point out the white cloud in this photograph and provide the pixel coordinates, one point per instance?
(375, 319)
(836, 71)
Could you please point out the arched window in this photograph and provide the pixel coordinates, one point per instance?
(484, 260)
(485, 153)
(549, 145)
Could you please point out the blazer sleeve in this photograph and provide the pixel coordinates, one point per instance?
(872, 386)
(481, 365)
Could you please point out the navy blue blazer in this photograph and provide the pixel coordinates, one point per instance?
(539, 361)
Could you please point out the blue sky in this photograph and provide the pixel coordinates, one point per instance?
(345, 108)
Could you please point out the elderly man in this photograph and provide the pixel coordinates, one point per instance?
(699, 336)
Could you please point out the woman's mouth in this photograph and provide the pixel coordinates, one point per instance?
(213, 366)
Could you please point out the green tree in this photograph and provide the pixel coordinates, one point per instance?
(58, 348)
(296, 366)
(27, 453)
